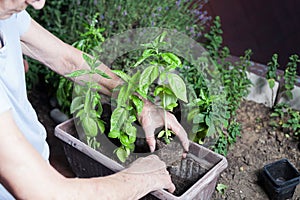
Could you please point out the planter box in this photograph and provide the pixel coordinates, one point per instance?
(87, 162)
(280, 179)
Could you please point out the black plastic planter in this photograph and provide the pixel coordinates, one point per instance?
(280, 179)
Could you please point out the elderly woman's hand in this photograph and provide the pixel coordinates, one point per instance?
(153, 171)
(152, 117)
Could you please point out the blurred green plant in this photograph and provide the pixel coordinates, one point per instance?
(272, 69)
(283, 115)
(235, 81)
(89, 39)
(287, 119)
(271, 75)
(290, 76)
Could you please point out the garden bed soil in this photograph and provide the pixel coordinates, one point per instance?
(259, 145)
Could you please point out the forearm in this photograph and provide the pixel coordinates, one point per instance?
(28, 176)
(61, 57)
(118, 186)
(75, 60)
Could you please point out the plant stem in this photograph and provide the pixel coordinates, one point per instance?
(165, 115)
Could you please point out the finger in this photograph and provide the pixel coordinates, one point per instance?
(149, 133)
(151, 142)
(171, 188)
(152, 156)
(179, 131)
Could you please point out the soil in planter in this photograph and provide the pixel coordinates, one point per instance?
(185, 173)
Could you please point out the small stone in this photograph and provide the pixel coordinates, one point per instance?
(241, 168)
(58, 116)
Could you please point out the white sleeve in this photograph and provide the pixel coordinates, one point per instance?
(5, 104)
(23, 21)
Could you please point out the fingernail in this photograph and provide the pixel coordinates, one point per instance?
(152, 148)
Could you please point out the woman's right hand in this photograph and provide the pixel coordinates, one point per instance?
(154, 173)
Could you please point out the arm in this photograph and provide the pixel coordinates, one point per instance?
(40, 44)
(27, 176)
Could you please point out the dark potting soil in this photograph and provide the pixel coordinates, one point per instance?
(185, 173)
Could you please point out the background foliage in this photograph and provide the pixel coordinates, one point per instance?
(85, 23)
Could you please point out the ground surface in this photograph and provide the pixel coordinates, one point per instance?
(259, 145)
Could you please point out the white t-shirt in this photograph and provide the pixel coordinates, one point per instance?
(13, 93)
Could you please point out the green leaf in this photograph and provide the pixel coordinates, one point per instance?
(161, 37)
(114, 134)
(90, 127)
(148, 76)
(158, 90)
(88, 59)
(142, 93)
(118, 117)
(130, 130)
(124, 140)
(132, 139)
(131, 119)
(221, 188)
(133, 82)
(128, 89)
(101, 73)
(192, 114)
(171, 106)
(101, 125)
(178, 86)
(122, 96)
(208, 121)
(168, 99)
(80, 114)
(77, 104)
(171, 59)
(122, 154)
(148, 52)
(161, 134)
(139, 104)
(162, 77)
(271, 83)
(199, 118)
(77, 73)
(122, 75)
(274, 115)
